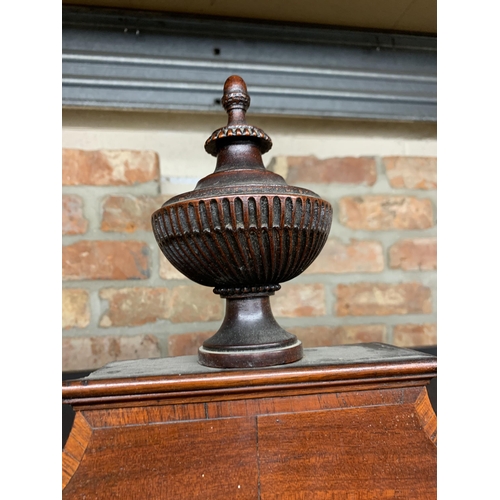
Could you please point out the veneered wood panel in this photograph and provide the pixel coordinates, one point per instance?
(313, 402)
(161, 412)
(213, 459)
(145, 415)
(75, 447)
(358, 453)
(335, 430)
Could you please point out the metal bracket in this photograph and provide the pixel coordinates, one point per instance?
(156, 61)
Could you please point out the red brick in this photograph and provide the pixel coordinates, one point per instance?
(414, 254)
(346, 170)
(354, 257)
(126, 214)
(382, 299)
(109, 168)
(320, 336)
(295, 301)
(411, 172)
(73, 221)
(75, 308)
(168, 271)
(195, 303)
(379, 212)
(135, 306)
(185, 344)
(141, 305)
(106, 260)
(415, 335)
(89, 353)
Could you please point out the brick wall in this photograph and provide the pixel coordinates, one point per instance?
(374, 281)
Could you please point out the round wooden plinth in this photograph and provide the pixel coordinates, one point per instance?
(250, 358)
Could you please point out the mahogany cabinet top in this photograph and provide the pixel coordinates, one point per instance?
(183, 378)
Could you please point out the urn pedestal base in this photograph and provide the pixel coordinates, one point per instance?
(250, 358)
(249, 336)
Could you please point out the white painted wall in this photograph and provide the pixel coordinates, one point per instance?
(179, 138)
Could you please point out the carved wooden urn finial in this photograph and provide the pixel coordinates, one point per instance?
(243, 230)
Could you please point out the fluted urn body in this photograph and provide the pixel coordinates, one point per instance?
(243, 231)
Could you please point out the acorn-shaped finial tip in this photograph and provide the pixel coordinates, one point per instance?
(235, 99)
(235, 84)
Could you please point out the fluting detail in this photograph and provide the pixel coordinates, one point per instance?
(254, 240)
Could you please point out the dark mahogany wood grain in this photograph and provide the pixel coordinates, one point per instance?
(326, 431)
